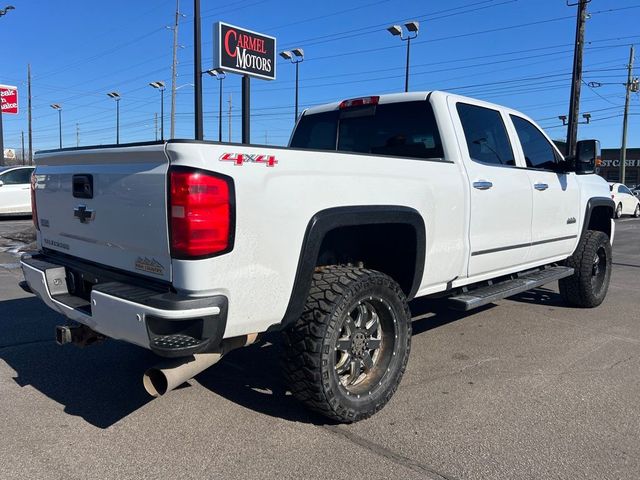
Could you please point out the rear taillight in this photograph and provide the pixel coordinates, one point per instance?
(200, 213)
(34, 209)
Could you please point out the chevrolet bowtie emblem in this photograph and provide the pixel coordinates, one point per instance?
(82, 213)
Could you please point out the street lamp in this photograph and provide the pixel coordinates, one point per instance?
(160, 86)
(220, 75)
(58, 107)
(3, 11)
(412, 32)
(116, 97)
(296, 56)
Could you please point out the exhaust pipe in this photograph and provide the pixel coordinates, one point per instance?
(168, 375)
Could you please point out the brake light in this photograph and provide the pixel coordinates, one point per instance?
(34, 209)
(358, 102)
(199, 214)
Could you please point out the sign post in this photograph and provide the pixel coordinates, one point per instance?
(8, 105)
(251, 54)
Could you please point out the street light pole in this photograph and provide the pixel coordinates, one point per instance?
(160, 86)
(406, 74)
(296, 56)
(295, 118)
(220, 75)
(412, 32)
(162, 114)
(197, 71)
(58, 107)
(116, 97)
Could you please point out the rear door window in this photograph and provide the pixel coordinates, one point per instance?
(486, 135)
(317, 131)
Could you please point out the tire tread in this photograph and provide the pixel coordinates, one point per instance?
(303, 341)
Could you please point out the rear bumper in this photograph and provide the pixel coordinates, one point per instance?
(167, 323)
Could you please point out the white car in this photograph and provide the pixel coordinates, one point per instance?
(626, 202)
(15, 190)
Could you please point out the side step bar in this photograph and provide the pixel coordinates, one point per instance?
(480, 296)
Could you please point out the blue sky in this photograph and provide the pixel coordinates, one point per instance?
(513, 52)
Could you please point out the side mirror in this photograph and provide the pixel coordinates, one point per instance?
(587, 157)
(1, 183)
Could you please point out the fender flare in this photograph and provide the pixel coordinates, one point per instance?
(592, 203)
(325, 221)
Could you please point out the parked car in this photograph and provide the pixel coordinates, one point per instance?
(15, 194)
(636, 191)
(626, 202)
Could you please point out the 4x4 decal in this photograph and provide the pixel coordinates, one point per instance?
(242, 158)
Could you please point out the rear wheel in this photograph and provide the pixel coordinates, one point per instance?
(588, 285)
(619, 210)
(346, 355)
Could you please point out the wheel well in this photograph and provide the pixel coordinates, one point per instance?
(600, 219)
(390, 248)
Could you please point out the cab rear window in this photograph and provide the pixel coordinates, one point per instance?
(405, 129)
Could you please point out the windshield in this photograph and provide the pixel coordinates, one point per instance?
(402, 129)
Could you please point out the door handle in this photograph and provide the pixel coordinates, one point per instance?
(540, 186)
(482, 185)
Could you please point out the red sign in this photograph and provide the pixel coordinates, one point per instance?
(9, 98)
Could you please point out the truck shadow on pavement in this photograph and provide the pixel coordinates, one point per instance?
(103, 383)
(540, 296)
(252, 376)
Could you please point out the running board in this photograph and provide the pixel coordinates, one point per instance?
(480, 296)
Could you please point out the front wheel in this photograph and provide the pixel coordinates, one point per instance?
(346, 354)
(636, 212)
(591, 261)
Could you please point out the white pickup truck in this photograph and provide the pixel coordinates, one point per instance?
(193, 248)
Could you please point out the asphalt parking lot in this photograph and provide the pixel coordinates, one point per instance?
(525, 388)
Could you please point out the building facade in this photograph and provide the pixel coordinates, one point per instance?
(610, 168)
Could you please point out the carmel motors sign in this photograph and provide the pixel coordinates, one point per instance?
(244, 51)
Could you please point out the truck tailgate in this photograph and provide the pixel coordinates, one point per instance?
(106, 205)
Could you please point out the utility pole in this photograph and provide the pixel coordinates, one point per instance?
(174, 70)
(576, 82)
(77, 135)
(22, 141)
(29, 129)
(229, 118)
(630, 85)
(197, 71)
